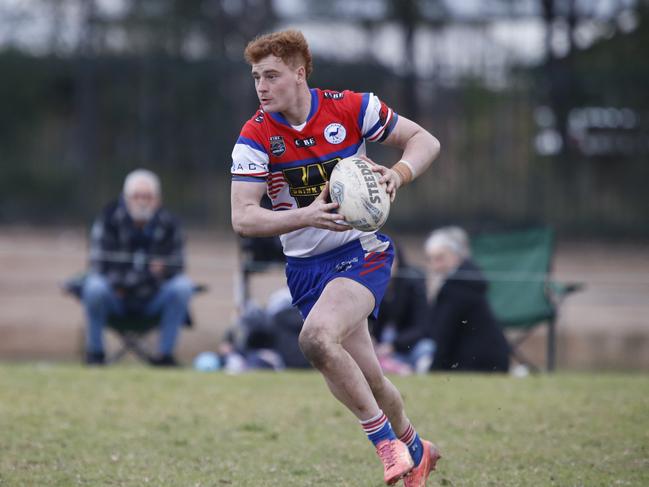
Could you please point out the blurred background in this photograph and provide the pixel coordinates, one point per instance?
(542, 108)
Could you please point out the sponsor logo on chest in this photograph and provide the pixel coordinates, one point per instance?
(333, 95)
(308, 142)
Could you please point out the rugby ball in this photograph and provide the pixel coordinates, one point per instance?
(362, 200)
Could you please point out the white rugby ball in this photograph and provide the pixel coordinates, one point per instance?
(362, 200)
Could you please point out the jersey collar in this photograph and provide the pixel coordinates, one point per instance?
(315, 103)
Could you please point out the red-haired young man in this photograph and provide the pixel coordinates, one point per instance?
(337, 275)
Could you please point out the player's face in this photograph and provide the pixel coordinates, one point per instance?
(276, 84)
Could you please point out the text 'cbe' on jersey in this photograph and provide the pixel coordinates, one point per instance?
(296, 162)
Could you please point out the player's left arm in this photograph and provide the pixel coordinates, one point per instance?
(420, 149)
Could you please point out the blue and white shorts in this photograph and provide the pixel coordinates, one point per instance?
(367, 261)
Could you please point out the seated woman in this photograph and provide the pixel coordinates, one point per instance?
(466, 333)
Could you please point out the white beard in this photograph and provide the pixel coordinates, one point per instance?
(141, 214)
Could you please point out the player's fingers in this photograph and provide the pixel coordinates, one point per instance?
(391, 189)
(365, 158)
(324, 194)
(330, 206)
(387, 181)
(337, 227)
(329, 220)
(329, 217)
(385, 174)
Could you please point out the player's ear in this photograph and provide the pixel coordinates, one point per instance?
(300, 74)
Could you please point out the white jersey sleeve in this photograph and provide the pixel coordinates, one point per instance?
(378, 119)
(249, 160)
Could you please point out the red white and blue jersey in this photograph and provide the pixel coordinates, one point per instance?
(296, 162)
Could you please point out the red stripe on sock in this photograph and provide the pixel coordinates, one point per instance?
(375, 424)
(408, 436)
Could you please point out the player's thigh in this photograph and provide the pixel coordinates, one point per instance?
(359, 345)
(341, 308)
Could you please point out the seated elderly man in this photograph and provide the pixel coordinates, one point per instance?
(136, 259)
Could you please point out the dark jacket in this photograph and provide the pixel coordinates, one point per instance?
(121, 251)
(404, 306)
(466, 333)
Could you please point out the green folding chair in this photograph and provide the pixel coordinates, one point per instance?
(522, 295)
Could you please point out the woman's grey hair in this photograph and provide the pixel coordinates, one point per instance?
(141, 174)
(452, 237)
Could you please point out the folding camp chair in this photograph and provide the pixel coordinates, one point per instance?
(131, 329)
(256, 255)
(517, 265)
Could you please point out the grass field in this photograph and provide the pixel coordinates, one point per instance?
(62, 425)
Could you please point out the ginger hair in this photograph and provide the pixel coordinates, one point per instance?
(288, 45)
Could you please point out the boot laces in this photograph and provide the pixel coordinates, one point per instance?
(387, 454)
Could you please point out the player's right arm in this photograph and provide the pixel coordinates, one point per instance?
(250, 219)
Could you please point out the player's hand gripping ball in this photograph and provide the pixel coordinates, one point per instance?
(362, 200)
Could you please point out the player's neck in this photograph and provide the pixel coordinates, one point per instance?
(299, 111)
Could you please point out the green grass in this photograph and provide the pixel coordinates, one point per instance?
(62, 425)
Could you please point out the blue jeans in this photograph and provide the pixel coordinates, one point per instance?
(100, 301)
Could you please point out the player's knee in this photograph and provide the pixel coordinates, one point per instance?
(315, 345)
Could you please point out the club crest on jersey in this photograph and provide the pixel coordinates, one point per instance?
(277, 146)
(335, 133)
